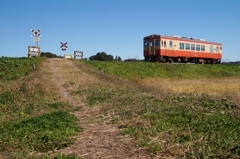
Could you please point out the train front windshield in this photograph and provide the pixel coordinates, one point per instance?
(145, 43)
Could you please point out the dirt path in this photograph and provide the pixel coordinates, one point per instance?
(98, 140)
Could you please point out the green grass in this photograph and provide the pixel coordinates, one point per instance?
(33, 119)
(134, 70)
(25, 100)
(14, 68)
(208, 127)
(184, 126)
(41, 133)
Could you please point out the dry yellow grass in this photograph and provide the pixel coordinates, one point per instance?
(72, 76)
(221, 87)
(76, 79)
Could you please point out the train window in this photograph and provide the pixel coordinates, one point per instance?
(157, 42)
(170, 44)
(181, 46)
(202, 47)
(192, 46)
(163, 43)
(151, 43)
(145, 43)
(217, 48)
(187, 46)
(197, 47)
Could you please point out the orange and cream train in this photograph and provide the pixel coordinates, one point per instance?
(181, 49)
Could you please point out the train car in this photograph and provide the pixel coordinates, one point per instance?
(181, 49)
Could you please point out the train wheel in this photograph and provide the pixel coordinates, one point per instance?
(163, 59)
(208, 61)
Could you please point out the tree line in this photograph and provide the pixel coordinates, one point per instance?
(101, 56)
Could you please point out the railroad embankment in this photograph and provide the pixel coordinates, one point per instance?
(92, 109)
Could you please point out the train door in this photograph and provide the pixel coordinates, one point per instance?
(170, 49)
(151, 47)
(218, 51)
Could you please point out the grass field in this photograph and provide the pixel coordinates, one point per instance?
(33, 118)
(182, 111)
(138, 70)
(188, 111)
(215, 80)
(14, 68)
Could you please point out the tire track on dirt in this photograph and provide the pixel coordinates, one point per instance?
(98, 140)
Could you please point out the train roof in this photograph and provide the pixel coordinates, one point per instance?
(176, 37)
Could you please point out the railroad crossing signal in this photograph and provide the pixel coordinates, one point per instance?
(63, 46)
(36, 34)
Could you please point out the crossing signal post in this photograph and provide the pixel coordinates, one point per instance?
(34, 50)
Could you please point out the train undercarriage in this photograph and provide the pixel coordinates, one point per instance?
(167, 59)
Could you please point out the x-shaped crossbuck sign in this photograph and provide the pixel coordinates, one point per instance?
(63, 46)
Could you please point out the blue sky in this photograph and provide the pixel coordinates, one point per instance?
(116, 27)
